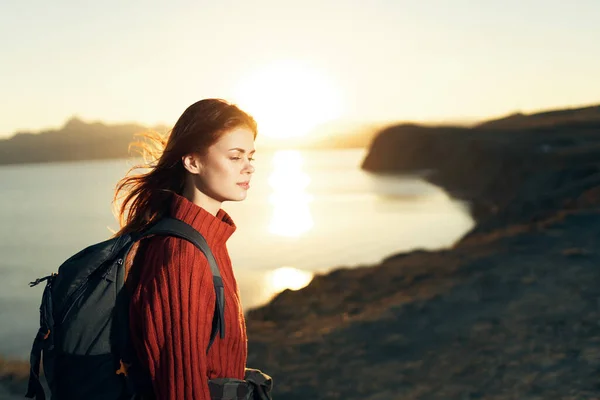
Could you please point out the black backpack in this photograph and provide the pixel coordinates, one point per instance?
(84, 321)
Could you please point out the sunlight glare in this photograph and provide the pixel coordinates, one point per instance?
(288, 99)
(289, 278)
(291, 213)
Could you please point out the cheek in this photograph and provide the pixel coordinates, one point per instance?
(221, 172)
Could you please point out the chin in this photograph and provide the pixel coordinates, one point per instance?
(237, 197)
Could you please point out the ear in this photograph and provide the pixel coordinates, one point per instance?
(192, 163)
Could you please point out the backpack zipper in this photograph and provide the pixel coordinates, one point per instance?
(106, 275)
(76, 295)
(40, 280)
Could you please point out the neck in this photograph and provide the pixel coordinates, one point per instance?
(202, 200)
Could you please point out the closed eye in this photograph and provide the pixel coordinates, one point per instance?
(239, 158)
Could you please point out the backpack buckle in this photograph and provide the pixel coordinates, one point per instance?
(123, 368)
(43, 334)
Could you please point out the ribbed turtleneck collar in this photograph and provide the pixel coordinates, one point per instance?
(215, 229)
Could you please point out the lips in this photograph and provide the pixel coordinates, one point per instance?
(245, 185)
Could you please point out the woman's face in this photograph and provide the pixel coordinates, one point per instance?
(226, 169)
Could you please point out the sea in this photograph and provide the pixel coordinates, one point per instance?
(308, 212)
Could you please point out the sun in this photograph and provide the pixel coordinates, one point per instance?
(288, 99)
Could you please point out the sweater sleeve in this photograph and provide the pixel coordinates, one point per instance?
(175, 308)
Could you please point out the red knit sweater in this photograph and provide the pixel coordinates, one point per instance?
(172, 308)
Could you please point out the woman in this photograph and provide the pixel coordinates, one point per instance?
(207, 160)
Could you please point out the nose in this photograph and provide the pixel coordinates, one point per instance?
(248, 168)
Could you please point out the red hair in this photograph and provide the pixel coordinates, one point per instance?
(147, 195)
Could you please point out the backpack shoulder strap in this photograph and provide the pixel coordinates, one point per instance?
(173, 227)
(138, 381)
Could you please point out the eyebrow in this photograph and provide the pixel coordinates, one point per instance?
(241, 150)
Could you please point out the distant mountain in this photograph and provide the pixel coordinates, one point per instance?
(78, 140)
(546, 118)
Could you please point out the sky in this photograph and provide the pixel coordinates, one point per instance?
(309, 60)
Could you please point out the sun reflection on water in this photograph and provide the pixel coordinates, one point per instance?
(291, 212)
